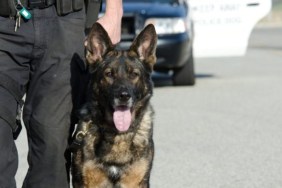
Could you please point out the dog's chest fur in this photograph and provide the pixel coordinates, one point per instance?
(119, 150)
(122, 148)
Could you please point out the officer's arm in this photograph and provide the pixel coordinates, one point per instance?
(111, 21)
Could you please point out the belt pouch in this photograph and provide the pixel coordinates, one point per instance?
(93, 8)
(4, 8)
(77, 5)
(64, 7)
(8, 7)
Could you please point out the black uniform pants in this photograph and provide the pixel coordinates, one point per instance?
(38, 57)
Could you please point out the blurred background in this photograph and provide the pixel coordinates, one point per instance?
(218, 92)
(275, 15)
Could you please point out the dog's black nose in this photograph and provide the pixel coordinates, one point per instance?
(124, 96)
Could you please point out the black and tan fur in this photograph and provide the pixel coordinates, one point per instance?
(109, 158)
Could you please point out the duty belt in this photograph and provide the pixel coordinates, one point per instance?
(8, 8)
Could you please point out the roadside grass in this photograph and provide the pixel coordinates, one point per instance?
(277, 7)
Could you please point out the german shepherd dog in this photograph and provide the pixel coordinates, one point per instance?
(115, 126)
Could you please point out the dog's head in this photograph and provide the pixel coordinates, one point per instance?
(121, 80)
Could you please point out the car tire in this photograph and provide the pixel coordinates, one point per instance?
(186, 74)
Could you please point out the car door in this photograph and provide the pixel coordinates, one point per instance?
(223, 27)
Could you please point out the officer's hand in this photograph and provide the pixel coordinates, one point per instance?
(112, 24)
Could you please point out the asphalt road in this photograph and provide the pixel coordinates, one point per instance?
(225, 132)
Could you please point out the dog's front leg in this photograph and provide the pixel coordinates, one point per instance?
(94, 177)
(136, 176)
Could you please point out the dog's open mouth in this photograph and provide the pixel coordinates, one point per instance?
(122, 118)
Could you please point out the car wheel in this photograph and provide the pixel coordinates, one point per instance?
(186, 74)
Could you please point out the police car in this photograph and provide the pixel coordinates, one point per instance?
(171, 19)
(223, 27)
(192, 28)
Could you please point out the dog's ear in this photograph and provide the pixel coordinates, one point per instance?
(145, 45)
(97, 43)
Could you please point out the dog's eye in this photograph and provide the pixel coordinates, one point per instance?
(134, 74)
(108, 74)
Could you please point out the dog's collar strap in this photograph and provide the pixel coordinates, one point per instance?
(77, 140)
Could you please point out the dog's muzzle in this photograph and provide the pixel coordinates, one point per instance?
(123, 97)
(122, 114)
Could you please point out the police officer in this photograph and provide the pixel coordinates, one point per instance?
(41, 45)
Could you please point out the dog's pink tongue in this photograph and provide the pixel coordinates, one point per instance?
(122, 118)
